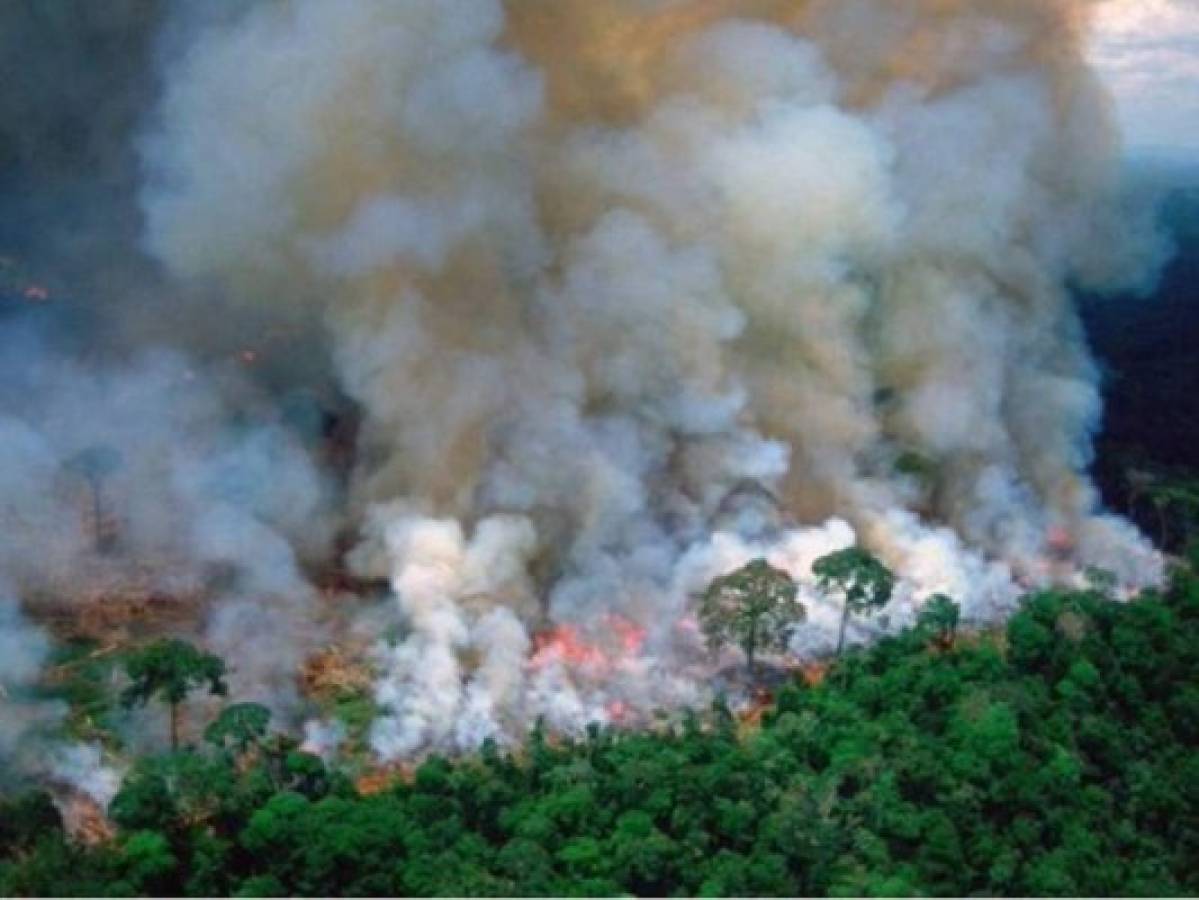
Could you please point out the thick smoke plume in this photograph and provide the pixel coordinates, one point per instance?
(626, 293)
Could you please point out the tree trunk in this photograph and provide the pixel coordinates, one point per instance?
(841, 631)
(1163, 523)
(750, 650)
(174, 727)
(97, 515)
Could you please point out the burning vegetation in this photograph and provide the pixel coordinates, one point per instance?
(494, 372)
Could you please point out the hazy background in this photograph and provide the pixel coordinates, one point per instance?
(1148, 51)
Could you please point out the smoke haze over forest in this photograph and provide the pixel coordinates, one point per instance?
(531, 318)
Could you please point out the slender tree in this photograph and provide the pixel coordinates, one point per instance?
(94, 465)
(864, 583)
(169, 670)
(754, 607)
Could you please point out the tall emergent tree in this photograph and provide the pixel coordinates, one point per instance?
(753, 607)
(170, 670)
(863, 582)
(94, 465)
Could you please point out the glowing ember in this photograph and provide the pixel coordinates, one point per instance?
(37, 293)
(249, 357)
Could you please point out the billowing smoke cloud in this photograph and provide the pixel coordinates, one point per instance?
(591, 268)
(140, 482)
(626, 292)
(156, 494)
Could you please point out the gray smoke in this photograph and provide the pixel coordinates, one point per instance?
(24, 649)
(626, 293)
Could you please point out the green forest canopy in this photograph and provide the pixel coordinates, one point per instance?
(1053, 757)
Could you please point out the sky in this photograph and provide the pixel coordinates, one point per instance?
(1148, 51)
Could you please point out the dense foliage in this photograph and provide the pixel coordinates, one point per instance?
(864, 583)
(754, 607)
(1056, 757)
(170, 670)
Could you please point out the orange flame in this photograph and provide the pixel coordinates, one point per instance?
(814, 673)
(378, 780)
(760, 703)
(563, 644)
(630, 635)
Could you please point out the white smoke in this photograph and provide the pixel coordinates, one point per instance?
(24, 649)
(323, 738)
(143, 480)
(593, 267)
(82, 768)
(427, 698)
